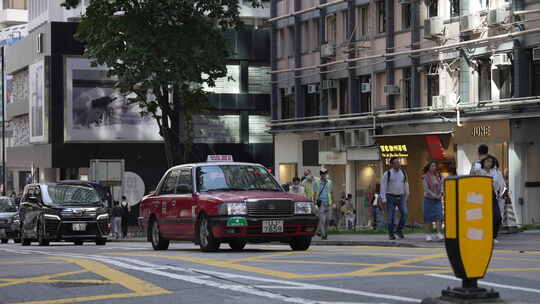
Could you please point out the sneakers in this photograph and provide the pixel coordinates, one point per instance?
(429, 238)
(400, 235)
(391, 237)
(440, 237)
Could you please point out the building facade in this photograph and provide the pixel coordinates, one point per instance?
(355, 82)
(63, 112)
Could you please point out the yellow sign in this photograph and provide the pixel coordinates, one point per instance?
(469, 224)
(394, 151)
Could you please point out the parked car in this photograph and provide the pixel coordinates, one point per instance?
(73, 211)
(225, 202)
(9, 220)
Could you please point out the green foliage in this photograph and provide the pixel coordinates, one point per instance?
(163, 47)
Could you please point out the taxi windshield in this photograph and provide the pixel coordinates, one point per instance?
(235, 178)
(7, 205)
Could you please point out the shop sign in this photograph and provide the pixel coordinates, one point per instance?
(483, 131)
(363, 154)
(333, 158)
(388, 151)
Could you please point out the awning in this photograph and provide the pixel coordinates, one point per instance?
(414, 134)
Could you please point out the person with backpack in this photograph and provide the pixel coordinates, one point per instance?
(394, 194)
(322, 195)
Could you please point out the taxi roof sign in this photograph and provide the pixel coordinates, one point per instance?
(219, 158)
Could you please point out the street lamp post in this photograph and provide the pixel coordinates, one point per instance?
(3, 124)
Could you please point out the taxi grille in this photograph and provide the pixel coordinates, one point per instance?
(270, 208)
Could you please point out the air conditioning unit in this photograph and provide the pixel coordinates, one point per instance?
(358, 138)
(469, 23)
(403, 2)
(365, 87)
(328, 50)
(289, 91)
(313, 88)
(433, 26)
(336, 142)
(536, 54)
(497, 16)
(391, 90)
(329, 84)
(500, 60)
(438, 102)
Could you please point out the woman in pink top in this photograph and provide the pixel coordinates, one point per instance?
(432, 182)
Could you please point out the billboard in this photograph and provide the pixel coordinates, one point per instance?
(95, 111)
(36, 92)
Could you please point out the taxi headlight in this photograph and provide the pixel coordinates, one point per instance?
(304, 208)
(233, 209)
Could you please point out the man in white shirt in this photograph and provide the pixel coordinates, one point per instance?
(394, 193)
(483, 152)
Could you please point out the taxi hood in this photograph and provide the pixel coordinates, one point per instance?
(239, 196)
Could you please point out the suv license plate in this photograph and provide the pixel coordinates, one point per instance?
(273, 226)
(79, 227)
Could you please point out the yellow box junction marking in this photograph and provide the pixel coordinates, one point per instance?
(138, 288)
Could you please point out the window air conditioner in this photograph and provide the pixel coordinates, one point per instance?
(289, 91)
(327, 50)
(329, 84)
(365, 87)
(433, 27)
(438, 102)
(313, 88)
(336, 142)
(497, 16)
(469, 23)
(536, 54)
(500, 60)
(391, 90)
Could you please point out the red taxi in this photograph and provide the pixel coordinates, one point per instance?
(225, 202)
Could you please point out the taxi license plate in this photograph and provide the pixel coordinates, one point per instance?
(79, 227)
(273, 226)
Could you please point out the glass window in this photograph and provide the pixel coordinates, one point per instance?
(234, 178)
(185, 181)
(169, 184)
(7, 204)
(381, 17)
(454, 8)
(69, 194)
(433, 8)
(405, 16)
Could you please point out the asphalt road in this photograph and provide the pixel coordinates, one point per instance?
(134, 273)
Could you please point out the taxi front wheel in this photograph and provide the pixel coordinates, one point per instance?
(158, 242)
(300, 243)
(237, 245)
(207, 242)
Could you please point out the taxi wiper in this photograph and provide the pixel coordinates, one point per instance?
(227, 189)
(265, 189)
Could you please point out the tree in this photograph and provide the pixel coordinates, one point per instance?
(161, 52)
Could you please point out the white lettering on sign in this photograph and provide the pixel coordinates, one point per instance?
(475, 234)
(474, 214)
(481, 131)
(475, 198)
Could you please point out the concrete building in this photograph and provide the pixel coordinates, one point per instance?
(355, 82)
(56, 126)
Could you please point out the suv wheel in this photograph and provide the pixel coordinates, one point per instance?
(101, 241)
(300, 243)
(158, 242)
(78, 243)
(4, 241)
(41, 235)
(237, 244)
(207, 242)
(24, 240)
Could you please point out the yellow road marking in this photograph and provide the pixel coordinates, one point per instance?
(29, 262)
(253, 258)
(347, 263)
(39, 279)
(517, 259)
(399, 263)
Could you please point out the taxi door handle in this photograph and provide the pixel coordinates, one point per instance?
(174, 203)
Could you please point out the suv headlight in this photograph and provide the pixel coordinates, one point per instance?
(233, 209)
(304, 208)
(104, 216)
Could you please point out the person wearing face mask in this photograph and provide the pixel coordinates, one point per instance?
(322, 195)
(296, 187)
(489, 168)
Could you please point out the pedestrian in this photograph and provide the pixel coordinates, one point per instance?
(125, 216)
(394, 194)
(499, 186)
(117, 220)
(349, 212)
(432, 183)
(296, 187)
(483, 152)
(322, 195)
(307, 183)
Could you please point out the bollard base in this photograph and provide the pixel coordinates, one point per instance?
(445, 300)
(471, 293)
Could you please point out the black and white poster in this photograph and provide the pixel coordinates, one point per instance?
(36, 88)
(96, 111)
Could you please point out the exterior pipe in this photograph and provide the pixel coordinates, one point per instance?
(307, 10)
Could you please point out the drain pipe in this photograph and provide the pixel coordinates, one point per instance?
(458, 117)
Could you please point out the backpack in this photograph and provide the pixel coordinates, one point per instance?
(390, 174)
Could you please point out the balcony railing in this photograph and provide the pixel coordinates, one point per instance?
(15, 4)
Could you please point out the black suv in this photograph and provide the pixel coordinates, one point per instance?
(9, 220)
(75, 211)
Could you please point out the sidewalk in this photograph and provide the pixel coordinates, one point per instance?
(522, 241)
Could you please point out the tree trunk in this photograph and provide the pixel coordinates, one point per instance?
(173, 149)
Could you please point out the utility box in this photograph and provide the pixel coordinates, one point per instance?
(109, 173)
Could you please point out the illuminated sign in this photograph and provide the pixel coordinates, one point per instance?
(388, 151)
